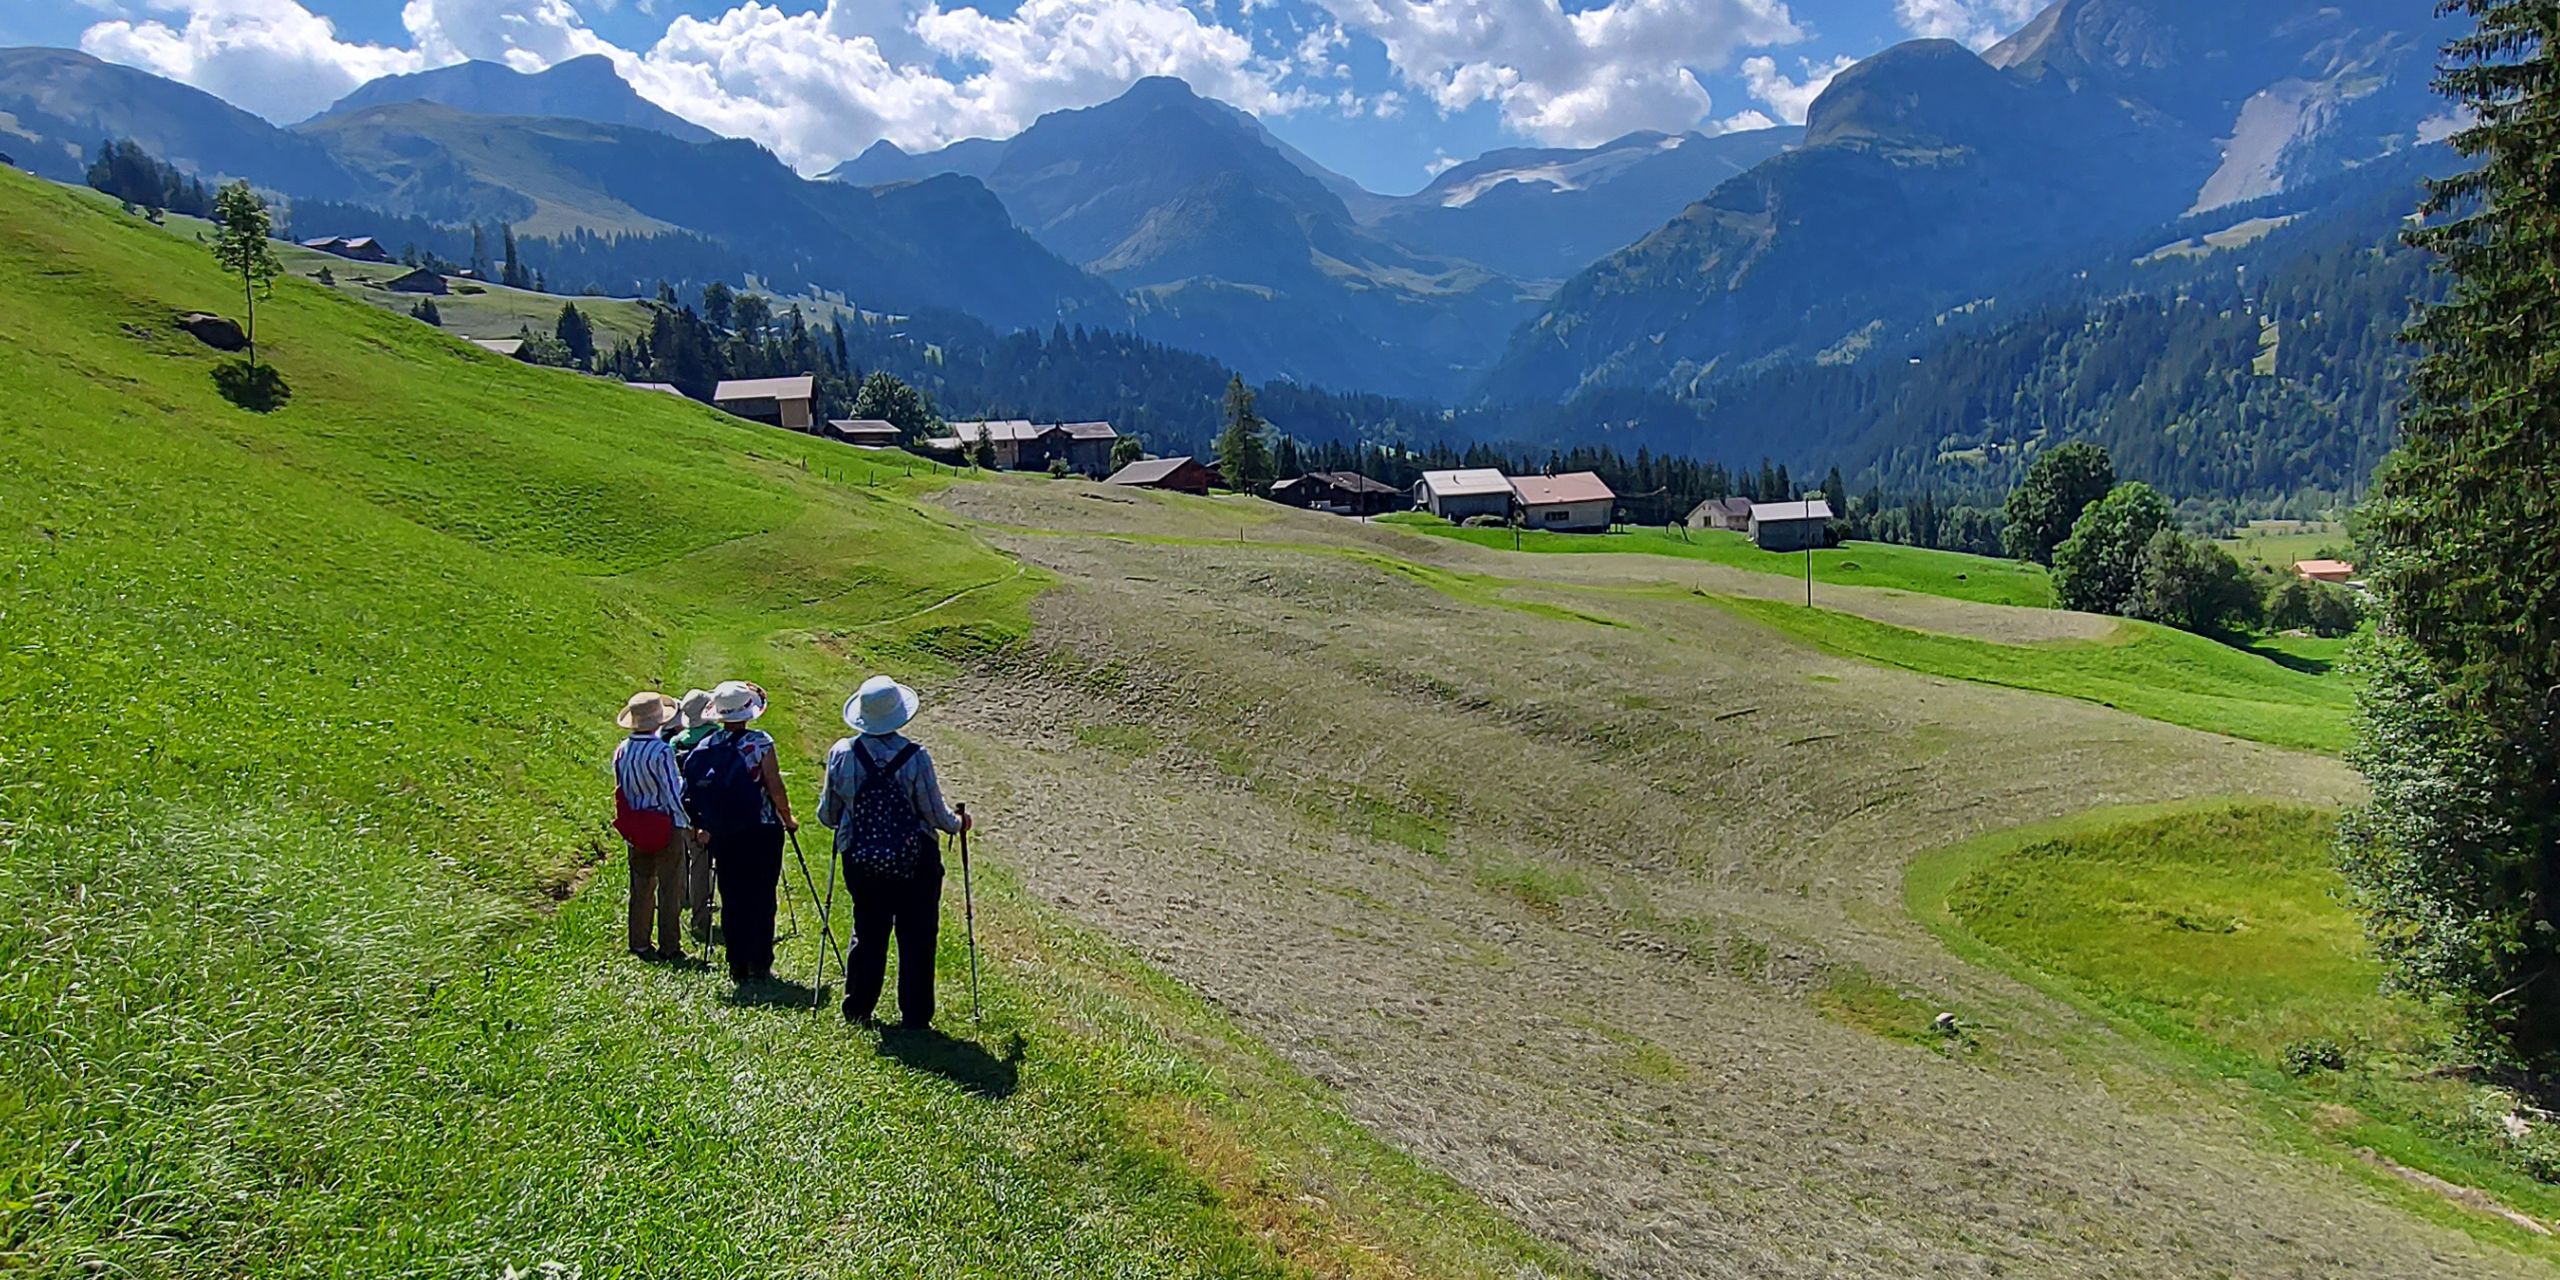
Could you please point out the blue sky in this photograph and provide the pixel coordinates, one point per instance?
(1385, 91)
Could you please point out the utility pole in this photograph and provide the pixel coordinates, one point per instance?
(1808, 555)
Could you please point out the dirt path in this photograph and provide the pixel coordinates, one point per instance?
(1547, 903)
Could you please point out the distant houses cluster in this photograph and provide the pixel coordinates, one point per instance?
(1021, 445)
(1772, 526)
(1575, 502)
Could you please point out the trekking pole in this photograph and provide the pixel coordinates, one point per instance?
(826, 932)
(969, 912)
(782, 890)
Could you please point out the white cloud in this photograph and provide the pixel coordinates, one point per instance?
(273, 57)
(1569, 78)
(1790, 99)
(1744, 121)
(815, 85)
(1979, 23)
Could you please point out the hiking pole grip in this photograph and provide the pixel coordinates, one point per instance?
(969, 913)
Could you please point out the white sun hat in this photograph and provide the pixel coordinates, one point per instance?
(734, 700)
(881, 705)
(691, 710)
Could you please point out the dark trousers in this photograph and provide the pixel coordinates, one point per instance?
(748, 862)
(911, 907)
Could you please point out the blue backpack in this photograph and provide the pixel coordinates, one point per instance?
(721, 790)
(881, 835)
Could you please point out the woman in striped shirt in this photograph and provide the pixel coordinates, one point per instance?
(646, 780)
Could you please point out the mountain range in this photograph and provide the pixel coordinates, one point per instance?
(1933, 192)
(1932, 178)
(585, 88)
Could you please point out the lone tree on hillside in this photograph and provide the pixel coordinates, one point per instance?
(2193, 585)
(2049, 499)
(240, 230)
(2098, 567)
(1244, 457)
(2455, 860)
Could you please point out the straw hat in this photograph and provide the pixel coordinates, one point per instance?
(881, 705)
(694, 703)
(646, 710)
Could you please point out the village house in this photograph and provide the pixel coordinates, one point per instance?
(1791, 526)
(1020, 445)
(511, 348)
(416, 280)
(1732, 514)
(360, 248)
(1576, 502)
(1180, 475)
(775, 402)
(868, 433)
(2338, 571)
(1340, 493)
(1457, 496)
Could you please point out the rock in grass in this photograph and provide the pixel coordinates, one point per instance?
(213, 331)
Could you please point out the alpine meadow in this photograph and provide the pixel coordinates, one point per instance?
(1835, 640)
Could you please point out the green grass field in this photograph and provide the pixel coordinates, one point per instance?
(2219, 931)
(1982, 579)
(2144, 669)
(2280, 544)
(474, 309)
(310, 924)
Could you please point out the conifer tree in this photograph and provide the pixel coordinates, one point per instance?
(1244, 457)
(2455, 860)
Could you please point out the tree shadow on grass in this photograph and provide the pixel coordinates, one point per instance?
(256, 388)
(2298, 662)
(965, 1063)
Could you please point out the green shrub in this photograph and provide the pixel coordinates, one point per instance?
(2305, 1057)
(1484, 522)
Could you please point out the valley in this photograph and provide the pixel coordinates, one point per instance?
(1943, 690)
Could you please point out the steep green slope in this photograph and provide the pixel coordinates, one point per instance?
(302, 970)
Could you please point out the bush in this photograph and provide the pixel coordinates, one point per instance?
(1058, 469)
(2097, 568)
(2193, 586)
(1485, 522)
(2321, 608)
(2305, 1057)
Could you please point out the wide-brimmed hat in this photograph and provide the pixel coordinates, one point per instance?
(733, 701)
(693, 707)
(646, 711)
(881, 705)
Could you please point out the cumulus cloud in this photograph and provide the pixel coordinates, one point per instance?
(1568, 78)
(1979, 23)
(815, 85)
(273, 57)
(1790, 99)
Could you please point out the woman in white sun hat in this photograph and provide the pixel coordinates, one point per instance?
(733, 789)
(884, 802)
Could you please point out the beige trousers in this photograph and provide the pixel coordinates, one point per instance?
(657, 886)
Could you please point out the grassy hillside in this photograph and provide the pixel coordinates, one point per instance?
(309, 921)
(2218, 932)
(1953, 574)
(2146, 669)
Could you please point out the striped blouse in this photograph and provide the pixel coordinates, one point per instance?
(644, 766)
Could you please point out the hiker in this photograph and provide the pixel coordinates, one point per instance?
(684, 733)
(648, 811)
(733, 786)
(884, 803)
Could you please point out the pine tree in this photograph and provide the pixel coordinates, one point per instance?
(2455, 861)
(576, 335)
(2050, 497)
(1244, 457)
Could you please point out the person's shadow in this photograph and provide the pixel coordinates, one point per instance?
(773, 993)
(965, 1063)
